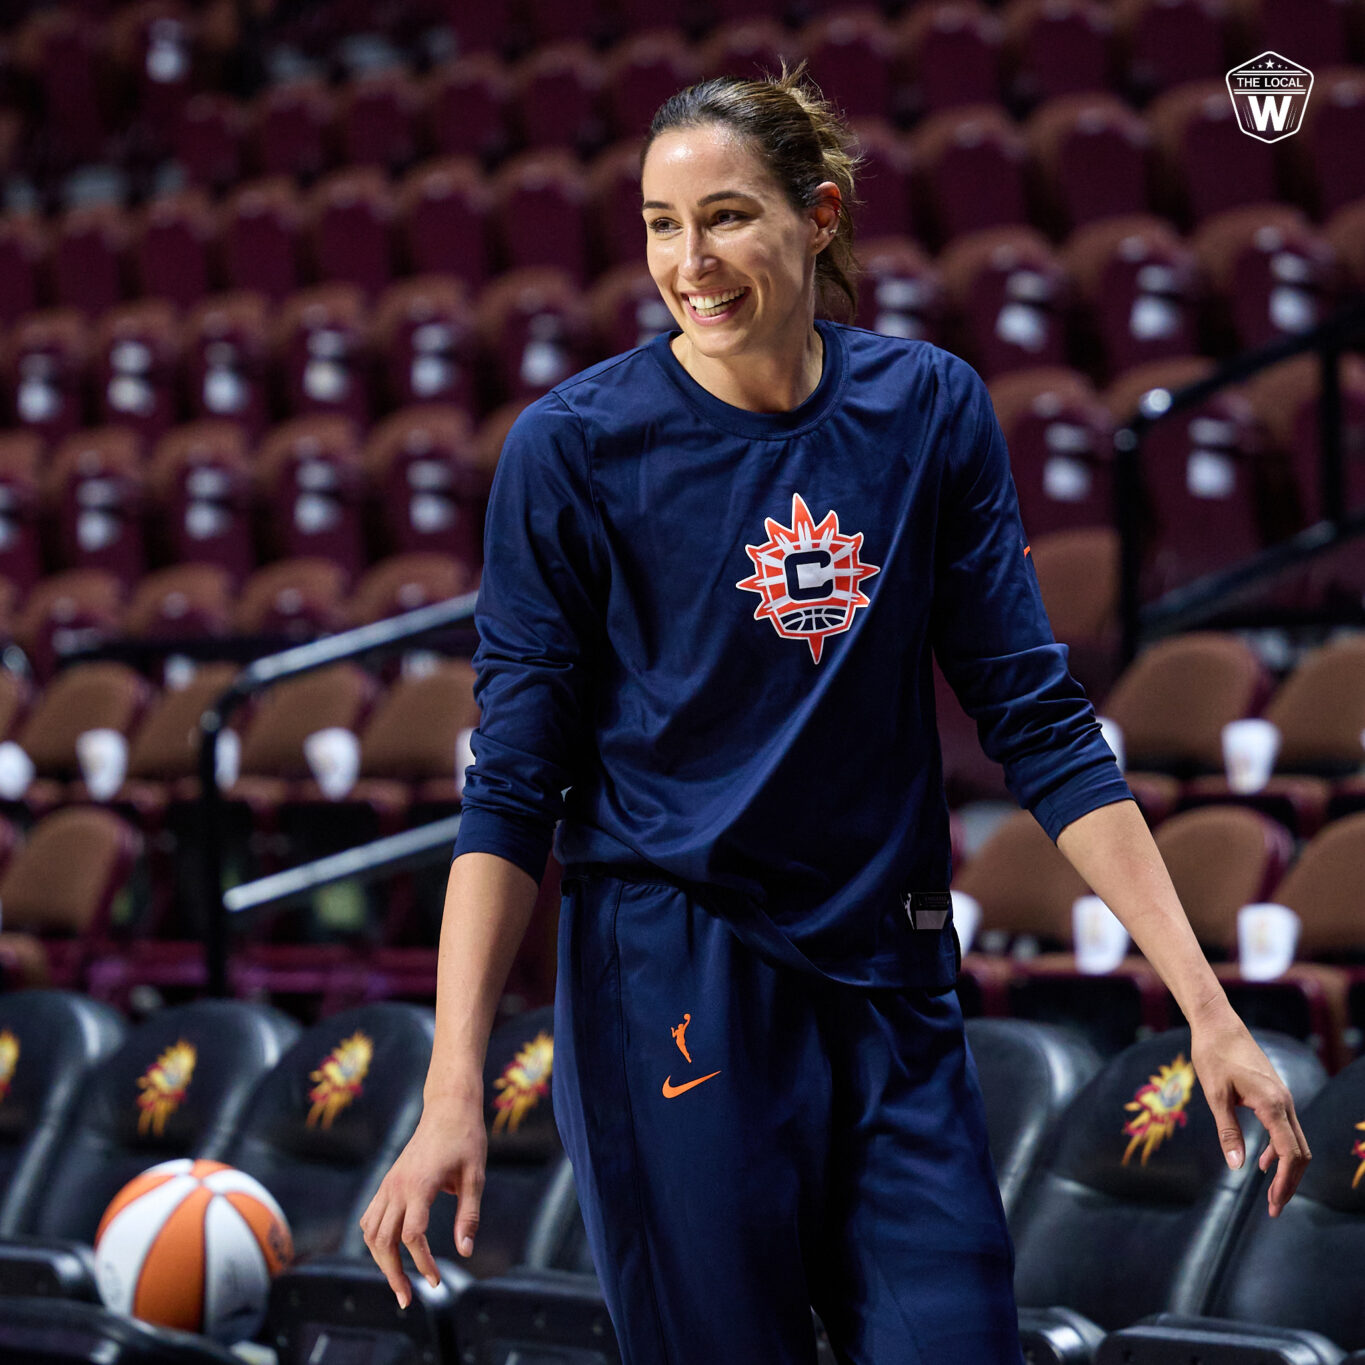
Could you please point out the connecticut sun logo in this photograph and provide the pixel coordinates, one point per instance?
(163, 1086)
(1357, 1151)
(807, 576)
(1158, 1108)
(524, 1083)
(9, 1059)
(338, 1080)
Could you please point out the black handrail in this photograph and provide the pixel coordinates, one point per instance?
(1194, 601)
(273, 668)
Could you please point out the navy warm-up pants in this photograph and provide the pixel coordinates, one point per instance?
(749, 1141)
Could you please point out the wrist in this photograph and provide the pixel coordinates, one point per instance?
(1212, 1012)
(457, 1087)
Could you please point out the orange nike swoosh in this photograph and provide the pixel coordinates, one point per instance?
(672, 1091)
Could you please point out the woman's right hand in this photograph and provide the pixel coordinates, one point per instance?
(448, 1152)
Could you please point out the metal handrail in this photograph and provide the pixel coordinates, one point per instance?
(1193, 601)
(264, 672)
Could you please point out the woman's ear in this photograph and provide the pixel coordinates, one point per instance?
(826, 212)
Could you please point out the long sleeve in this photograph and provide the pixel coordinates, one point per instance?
(991, 633)
(538, 621)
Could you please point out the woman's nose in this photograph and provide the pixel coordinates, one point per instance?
(697, 257)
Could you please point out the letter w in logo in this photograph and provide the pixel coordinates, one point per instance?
(1269, 112)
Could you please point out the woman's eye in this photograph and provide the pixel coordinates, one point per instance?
(659, 224)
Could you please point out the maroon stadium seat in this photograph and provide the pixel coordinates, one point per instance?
(175, 247)
(1164, 43)
(1056, 47)
(291, 126)
(24, 250)
(1009, 294)
(377, 120)
(424, 332)
(535, 330)
(46, 360)
(153, 47)
(20, 551)
(88, 252)
(534, 189)
(209, 140)
(747, 47)
(59, 51)
(1322, 155)
(1317, 32)
(558, 93)
(854, 56)
(444, 207)
(262, 236)
(884, 180)
(627, 309)
(351, 216)
(1090, 156)
(900, 291)
(968, 172)
(468, 104)
(953, 51)
(226, 358)
(323, 351)
(618, 229)
(135, 364)
(93, 488)
(1139, 287)
(641, 72)
(294, 597)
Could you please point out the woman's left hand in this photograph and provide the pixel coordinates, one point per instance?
(1234, 1071)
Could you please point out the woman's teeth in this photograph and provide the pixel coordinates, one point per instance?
(709, 305)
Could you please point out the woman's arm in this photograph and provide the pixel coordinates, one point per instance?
(1113, 850)
(489, 902)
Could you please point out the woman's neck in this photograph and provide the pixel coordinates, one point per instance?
(757, 384)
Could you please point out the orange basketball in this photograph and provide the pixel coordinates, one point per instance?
(193, 1245)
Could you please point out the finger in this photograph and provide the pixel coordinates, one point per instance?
(1290, 1157)
(1229, 1131)
(384, 1249)
(467, 1219)
(415, 1239)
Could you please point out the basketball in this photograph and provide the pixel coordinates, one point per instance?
(193, 1245)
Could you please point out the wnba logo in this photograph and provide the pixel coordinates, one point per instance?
(1270, 94)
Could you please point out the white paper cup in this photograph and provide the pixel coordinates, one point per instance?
(103, 756)
(333, 758)
(464, 756)
(1249, 750)
(966, 919)
(1267, 935)
(1112, 732)
(1101, 942)
(16, 771)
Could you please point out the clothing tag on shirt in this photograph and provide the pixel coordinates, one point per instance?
(928, 909)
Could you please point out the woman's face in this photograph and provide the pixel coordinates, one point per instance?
(734, 261)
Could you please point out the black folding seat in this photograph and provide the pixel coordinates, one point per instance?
(176, 1087)
(537, 1315)
(329, 1120)
(32, 1334)
(1135, 1210)
(49, 1040)
(1029, 1073)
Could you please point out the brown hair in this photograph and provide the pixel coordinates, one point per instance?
(802, 140)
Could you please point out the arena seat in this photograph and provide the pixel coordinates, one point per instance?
(444, 209)
(64, 610)
(1009, 293)
(59, 52)
(640, 72)
(31, 1332)
(1137, 1165)
(1138, 286)
(135, 366)
(468, 104)
(1318, 32)
(1325, 176)
(1204, 477)
(291, 129)
(340, 1309)
(378, 120)
(427, 487)
(92, 489)
(1078, 576)
(952, 55)
(1166, 1337)
(45, 361)
(1060, 439)
(424, 334)
(856, 52)
(262, 237)
(200, 480)
(226, 359)
(60, 1036)
(323, 352)
(627, 309)
(747, 45)
(617, 230)
(530, 190)
(900, 291)
(209, 140)
(175, 247)
(20, 551)
(967, 172)
(1089, 158)
(557, 91)
(1053, 49)
(310, 474)
(177, 1086)
(351, 214)
(404, 582)
(538, 1315)
(1029, 1073)
(1165, 43)
(24, 248)
(299, 598)
(534, 330)
(89, 250)
(1271, 274)
(884, 180)
(326, 1123)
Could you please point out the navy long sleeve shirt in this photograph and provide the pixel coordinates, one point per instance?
(706, 635)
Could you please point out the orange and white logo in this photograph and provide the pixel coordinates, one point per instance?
(1358, 1151)
(808, 576)
(525, 1081)
(163, 1086)
(9, 1059)
(338, 1080)
(1158, 1108)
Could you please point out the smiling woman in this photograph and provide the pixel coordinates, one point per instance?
(760, 1069)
